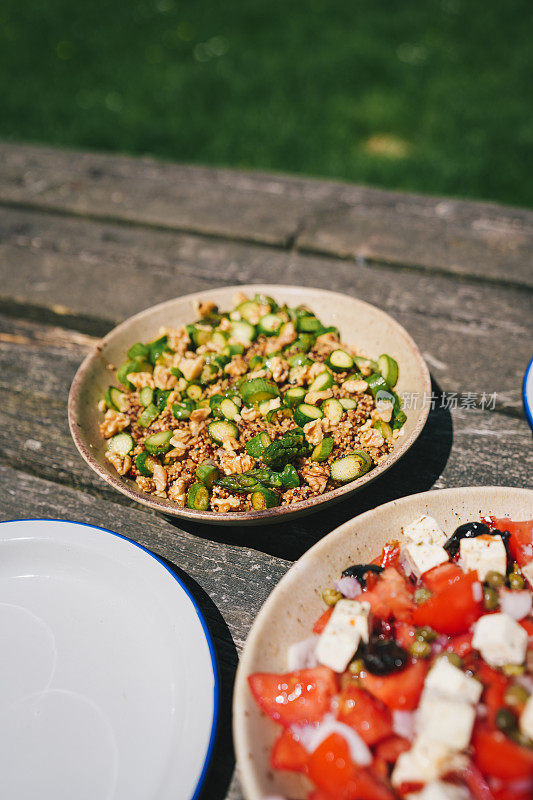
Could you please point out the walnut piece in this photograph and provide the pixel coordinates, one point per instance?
(313, 431)
(326, 343)
(122, 464)
(197, 420)
(141, 379)
(191, 367)
(204, 307)
(287, 335)
(113, 423)
(225, 504)
(383, 410)
(249, 414)
(354, 386)
(237, 366)
(371, 438)
(279, 368)
(160, 478)
(316, 476)
(315, 397)
(163, 378)
(177, 491)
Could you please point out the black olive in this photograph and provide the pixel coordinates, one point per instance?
(467, 531)
(358, 571)
(383, 656)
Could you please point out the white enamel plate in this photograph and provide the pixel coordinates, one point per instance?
(108, 681)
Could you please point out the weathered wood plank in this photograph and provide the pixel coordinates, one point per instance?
(476, 239)
(218, 575)
(462, 448)
(74, 266)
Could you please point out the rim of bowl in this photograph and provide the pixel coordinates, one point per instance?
(247, 517)
(246, 770)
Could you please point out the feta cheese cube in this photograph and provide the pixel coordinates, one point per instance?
(426, 761)
(483, 554)
(527, 572)
(440, 790)
(422, 557)
(446, 679)
(526, 718)
(341, 637)
(500, 639)
(424, 530)
(447, 721)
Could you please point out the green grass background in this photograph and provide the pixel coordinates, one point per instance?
(425, 95)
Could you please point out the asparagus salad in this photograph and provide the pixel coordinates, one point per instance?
(249, 409)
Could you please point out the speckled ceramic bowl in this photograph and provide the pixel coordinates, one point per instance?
(295, 604)
(361, 324)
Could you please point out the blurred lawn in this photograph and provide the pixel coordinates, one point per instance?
(426, 95)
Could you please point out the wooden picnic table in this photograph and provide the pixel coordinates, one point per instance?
(86, 240)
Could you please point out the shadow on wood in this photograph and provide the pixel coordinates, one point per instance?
(219, 775)
(416, 472)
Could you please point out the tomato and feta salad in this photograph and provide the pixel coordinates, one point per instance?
(417, 680)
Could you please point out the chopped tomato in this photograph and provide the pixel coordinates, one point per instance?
(332, 771)
(461, 644)
(499, 757)
(322, 621)
(391, 596)
(390, 749)
(400, 690)
(390, 555)
(365, 714)
(287, 753)
(520, 540)
(527, 625)
(516, 790)
(296, 697)
(404, 634)
(495, 684)
(453, 609)
(442, 576)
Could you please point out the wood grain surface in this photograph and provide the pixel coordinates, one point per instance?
(87, 240)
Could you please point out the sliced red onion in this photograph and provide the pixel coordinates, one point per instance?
(477, 591)
(517, 604)
(526, 681)
(403, 723)
(301, 655)
(349, 587)
(311, 736)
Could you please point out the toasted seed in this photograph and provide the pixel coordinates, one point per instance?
(355, 666)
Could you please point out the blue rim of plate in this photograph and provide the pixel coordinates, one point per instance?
(528, 406)
(214, 663)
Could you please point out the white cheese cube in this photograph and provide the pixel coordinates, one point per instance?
(426, 761)
(526, 718)
(527, 572)
(422, 557)
(447, 721)
(500, 639)
(340, 638)
(446, 679)
(483, 554)
(423, 530)
(440, 790)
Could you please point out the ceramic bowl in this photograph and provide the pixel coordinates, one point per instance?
(361, 324)
(295, 604)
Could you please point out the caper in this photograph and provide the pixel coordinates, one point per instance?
(505, 720)
(516, 695)
(331, 596)
(425, 634)
(421, 595)
(494, 579)
(512, 670)
(454, 659)
(516, 581)
(355, 666)
(420, 649)
(491, 598)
